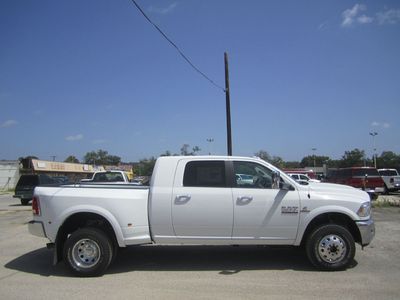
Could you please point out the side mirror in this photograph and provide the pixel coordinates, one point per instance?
(276, 178)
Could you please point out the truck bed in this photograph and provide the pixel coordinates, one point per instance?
(125, 206)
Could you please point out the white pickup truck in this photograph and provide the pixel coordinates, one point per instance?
(201, 200)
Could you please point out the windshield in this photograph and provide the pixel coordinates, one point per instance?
(388, 173)
(28, 180)
(363, 172)
(108, 177)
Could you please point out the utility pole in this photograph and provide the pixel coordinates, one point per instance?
(228, 107)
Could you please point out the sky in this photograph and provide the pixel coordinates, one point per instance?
(78, 76)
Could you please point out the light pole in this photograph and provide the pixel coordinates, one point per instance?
(374, 134)
(314, 149)
(209, 147)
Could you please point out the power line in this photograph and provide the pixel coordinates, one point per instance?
(176, 47)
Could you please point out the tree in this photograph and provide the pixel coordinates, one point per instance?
(277, 161)
(101, 157)
(185, 150)
(274, 160)
(308, 161)
(292, 165)
(263, 155)
(388, 159)
(353, 158)
(145, 166)
(91, 158)
(112, 160)
(71, 159)
(166, 153)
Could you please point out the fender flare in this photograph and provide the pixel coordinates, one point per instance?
(305, 222)
(94, 210)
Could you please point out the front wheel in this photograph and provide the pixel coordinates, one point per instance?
(331, 247)
(88, 252)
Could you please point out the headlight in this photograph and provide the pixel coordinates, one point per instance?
(365, 210)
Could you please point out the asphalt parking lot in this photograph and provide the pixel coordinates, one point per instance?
(171, 272)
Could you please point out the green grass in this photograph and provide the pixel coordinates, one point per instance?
(381, 204)
(6, 191)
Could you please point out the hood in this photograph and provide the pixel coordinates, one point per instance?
(331, 191)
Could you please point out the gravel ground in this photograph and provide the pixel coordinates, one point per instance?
(197, 272)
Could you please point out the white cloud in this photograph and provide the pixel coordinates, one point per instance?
(73, 138)
(365, 19)
(163, 10)
(322, 26)
(391, 16)
(353, 15)
(8, 123)
(356, 15)
(380, 125)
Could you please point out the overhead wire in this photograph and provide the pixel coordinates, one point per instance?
(176, 47)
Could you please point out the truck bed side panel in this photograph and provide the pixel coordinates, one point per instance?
(125, 208)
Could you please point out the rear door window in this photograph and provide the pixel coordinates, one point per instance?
(205, 174)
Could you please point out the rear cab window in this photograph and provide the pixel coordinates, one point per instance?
(205, 174)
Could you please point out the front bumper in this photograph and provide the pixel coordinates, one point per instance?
(367, 231)
(36, 228)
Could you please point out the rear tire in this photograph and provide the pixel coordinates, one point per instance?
(331, 248)
(88, 252)
(25, 201)
(386, 190)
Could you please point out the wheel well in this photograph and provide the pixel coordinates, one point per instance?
(81, 220)
(333, 218)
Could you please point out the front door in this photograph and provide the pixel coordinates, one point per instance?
(263, 212)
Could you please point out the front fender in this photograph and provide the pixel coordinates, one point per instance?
(308, 217)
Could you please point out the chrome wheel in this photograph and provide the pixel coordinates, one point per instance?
(332, 248)
(86, 253)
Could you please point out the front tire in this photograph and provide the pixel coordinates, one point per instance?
(331, 248)
(88, 252)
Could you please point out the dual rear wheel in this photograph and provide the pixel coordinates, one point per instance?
(88, 252)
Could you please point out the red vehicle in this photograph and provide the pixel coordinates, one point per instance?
(365, 178)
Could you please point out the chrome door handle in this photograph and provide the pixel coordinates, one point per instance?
(243, 200)
(182, 199)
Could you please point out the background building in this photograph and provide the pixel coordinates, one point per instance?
(9, 174)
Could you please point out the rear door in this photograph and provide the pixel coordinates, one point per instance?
(202, 206)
